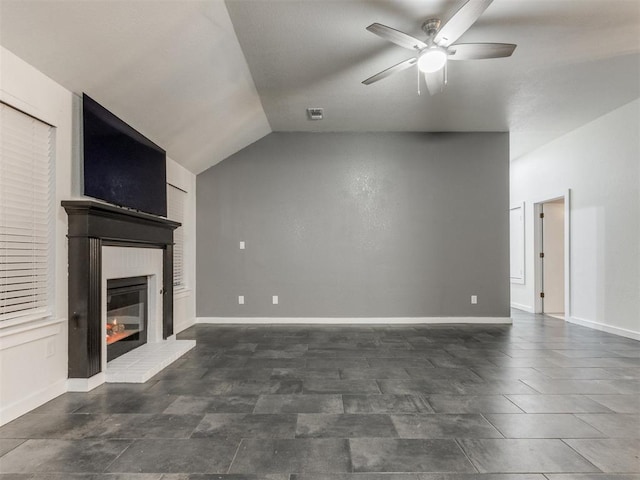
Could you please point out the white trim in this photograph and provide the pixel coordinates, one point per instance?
(33, 401)
(351, 320)
(521, 306)
(537, 241)
(85, 384)
(537, 262)
(567, 254)
(521, 280)
(29, 332)
(623, 332)
(25, 107)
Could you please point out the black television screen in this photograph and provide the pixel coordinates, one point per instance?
(121, 166)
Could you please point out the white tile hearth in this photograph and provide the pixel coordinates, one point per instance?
(139, 365)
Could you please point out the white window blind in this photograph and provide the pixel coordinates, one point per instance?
(26, 150)
(176, 203)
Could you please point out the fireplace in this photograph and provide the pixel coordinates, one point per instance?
(127, 315)
(94, 226)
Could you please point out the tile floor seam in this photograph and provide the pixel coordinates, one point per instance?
(467, 456)
(515, 404)
(106, 469)
(494, 425)
(234, 456)
(532, 388)
(202, 417)
(577, 416)
(579, 454)
(378, 387)
(350, 455)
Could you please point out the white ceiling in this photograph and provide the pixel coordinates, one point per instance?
(575, 60)
(175, 70)
(172, 69)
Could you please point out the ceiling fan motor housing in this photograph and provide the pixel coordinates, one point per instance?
(430, 27)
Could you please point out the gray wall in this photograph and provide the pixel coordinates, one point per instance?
(356, 225)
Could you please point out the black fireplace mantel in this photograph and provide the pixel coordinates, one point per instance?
(93, 225)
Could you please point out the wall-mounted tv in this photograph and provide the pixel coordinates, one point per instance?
(121, 166)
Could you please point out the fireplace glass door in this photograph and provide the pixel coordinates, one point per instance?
(126, 327)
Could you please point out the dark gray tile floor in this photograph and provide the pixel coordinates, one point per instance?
(538, 400)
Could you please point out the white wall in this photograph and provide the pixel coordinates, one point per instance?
(600, 163)
(33, 357)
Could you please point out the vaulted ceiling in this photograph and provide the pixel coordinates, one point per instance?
(205, 78)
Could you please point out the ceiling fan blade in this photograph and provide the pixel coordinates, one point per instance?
(435, 81)
(478, 51)
(390, 71)
(460, 22)
(396, 36)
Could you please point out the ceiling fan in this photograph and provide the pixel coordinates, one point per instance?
(432, 55)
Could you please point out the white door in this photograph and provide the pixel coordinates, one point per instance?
(553, 259)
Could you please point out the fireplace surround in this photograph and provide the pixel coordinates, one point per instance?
(93, 225)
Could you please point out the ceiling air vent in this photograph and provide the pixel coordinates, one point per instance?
(315, 113)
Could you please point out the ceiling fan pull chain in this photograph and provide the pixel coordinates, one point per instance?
(446, 73)
(418, 70)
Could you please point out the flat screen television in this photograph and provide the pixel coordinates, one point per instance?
(121, 166)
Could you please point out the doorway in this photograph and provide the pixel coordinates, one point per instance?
(552, 257)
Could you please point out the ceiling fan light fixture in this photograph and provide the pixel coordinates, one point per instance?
(432, 60)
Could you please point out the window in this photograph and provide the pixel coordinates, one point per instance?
(176, 201)
(26, 224)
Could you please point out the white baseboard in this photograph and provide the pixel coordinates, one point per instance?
(521, 306)
(85, 384)
(623, 332)
(351, 320)
(25, 405)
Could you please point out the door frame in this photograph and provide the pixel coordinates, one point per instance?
(537, 244)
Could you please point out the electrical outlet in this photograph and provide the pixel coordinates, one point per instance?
(241, 245)
(474, 299)
(274, 299)
(240, 299)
